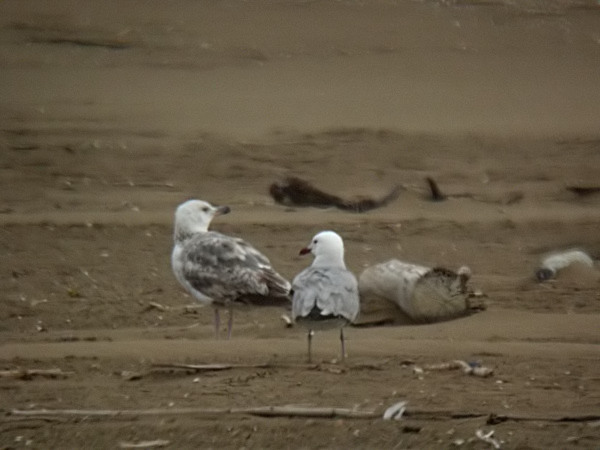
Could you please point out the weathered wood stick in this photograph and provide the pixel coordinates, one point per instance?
(30, 373)
(210, 367)
(299, 411)
(263, 411)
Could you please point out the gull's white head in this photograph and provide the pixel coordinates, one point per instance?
(194, 216)
(328, 249)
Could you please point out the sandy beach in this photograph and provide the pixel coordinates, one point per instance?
(112, 113)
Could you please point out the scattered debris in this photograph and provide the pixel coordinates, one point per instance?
(165, 308)
(555, 262)
(508, 198)
(85, 42)
(297, 192)
(297, 411)
(130, 376)
(487, 437)
(216, 367)
(261, 411)
(28, 374)
(155, 305)
(474, 369)
(145, 444)
(395, 412)
(436, 194)
(584, 191)
(288, 322)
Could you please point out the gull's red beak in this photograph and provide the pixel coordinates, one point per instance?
(304, 251)
(222, 210)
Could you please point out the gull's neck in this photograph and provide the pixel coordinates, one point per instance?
(185, 231)
(330, 260)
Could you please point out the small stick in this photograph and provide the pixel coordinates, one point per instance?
(217, 367)
(164, 308)
(265, 411)
(26, 374)
(297, 411)
(436, 194)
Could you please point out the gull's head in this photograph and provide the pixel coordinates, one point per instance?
(328, 249)
(194, 216)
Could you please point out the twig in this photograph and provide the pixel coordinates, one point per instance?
(298, 411)
(467, 368)
(436, 194)
(263, 411)
(584, 191)
(145, 444)
(27, 374)
(217, 367)
(164, 308)
(487, 437)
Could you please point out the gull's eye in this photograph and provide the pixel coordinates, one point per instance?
(205, 209)
(315, 241)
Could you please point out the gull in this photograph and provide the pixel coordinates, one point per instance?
(220, 270)
(325, 294)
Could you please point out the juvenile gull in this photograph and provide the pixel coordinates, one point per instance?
(325, 295)
(220, 270)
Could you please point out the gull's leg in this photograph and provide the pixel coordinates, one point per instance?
(310, 334)
(230, 323)
(217, 323)
(343, 344)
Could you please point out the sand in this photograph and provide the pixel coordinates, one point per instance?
(112, 113)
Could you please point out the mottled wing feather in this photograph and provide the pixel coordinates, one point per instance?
(334, 291)
(225, 269)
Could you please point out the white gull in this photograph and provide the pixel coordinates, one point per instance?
(220, 270)
(325, 295)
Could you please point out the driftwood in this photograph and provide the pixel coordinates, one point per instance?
(584, 191)
(555, 262)
(422, 293)
(28, 374)
(298, 192)
(170, 367)
(262, 411)
(487, 438)
(210, 367)
(465, 367)
(298, 411)
(145, 444)
(165, 308)
(436, 194)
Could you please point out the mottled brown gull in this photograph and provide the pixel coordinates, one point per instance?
(220, 270)
(325, 295)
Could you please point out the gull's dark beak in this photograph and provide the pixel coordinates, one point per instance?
(304, 251)
(222, 210)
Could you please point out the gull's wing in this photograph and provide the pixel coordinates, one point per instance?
(333, 290)
(227, 269)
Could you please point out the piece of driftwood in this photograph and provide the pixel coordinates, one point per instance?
(262, 411)
(208, 367)
(468, 369)
(165, 308)
(28, 374)
(555, 262)
(422, 293)
(487, 438)
(436, 194)
(145, 444)
(295, 191)
(584, 191)
(298, 411)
